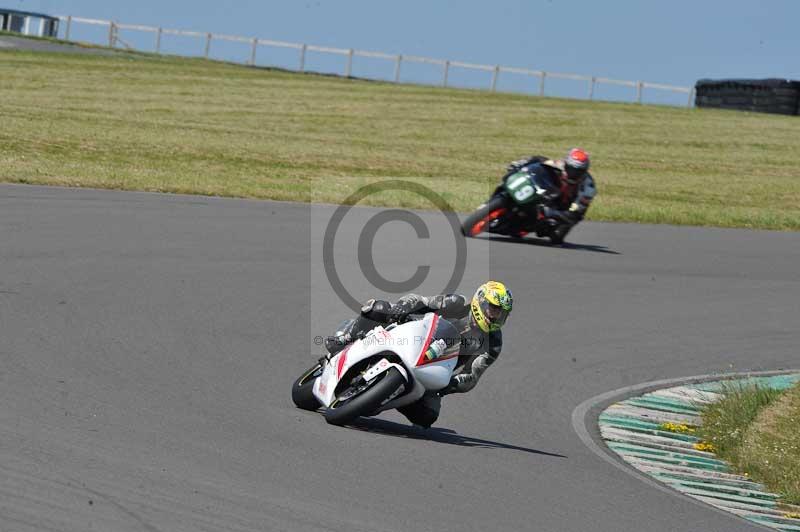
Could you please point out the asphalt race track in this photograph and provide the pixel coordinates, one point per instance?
(149, 343)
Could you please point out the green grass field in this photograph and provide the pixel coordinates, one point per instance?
(143, 122)
(758, 431)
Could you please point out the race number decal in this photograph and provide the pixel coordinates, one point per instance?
(518, 181)
(523, 193)
(520, 187)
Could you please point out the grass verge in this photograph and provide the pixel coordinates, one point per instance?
(757, 430)
(147, 122)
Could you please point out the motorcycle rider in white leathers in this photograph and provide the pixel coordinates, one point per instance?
(478, 321)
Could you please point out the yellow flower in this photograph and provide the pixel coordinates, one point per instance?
(676, 427)
(792, 515)
(705, 446)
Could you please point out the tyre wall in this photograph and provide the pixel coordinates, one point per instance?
(778, 96)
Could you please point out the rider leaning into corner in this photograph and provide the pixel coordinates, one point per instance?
(478, 321)
(572, 190)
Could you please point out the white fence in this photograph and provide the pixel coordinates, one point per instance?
(592, 82)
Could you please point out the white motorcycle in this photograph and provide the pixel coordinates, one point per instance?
(390, 367)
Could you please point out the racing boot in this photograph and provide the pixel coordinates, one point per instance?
(424, 412)
(559, 233)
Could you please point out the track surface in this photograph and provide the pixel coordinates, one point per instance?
(148, 345)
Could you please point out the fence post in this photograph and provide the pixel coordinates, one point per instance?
(541, 83)
(691, 94)
(397, 68)
(111, 34)
(591, 87)
(349, 69)
(69, 27)
(303, 58)
(208, 45)
(158, 40)
(495, 74)
(446, 73)
(639, 86)
(253, 52)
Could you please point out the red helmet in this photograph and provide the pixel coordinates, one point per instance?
(576, 164)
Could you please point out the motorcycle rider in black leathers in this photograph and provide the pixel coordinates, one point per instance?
(570, 194)
(478, 322)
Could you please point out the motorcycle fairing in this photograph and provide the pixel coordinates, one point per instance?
(409, 342)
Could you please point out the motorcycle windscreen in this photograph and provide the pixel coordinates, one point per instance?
(440, 355)
(442, 342)
(447, 333)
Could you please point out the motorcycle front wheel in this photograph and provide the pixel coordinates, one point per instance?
(475, 223)
(302, 389)
(366, 402)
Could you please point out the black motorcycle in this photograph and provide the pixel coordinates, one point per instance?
(517, 207)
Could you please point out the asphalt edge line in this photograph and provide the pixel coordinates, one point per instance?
(600, 402)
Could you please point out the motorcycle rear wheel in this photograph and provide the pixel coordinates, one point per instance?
(368, 401)
(475, 223)
(302, 389)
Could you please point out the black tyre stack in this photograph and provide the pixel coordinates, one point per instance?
(777, 96)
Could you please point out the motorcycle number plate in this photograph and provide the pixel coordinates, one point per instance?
(376, 370)
(520, 187)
